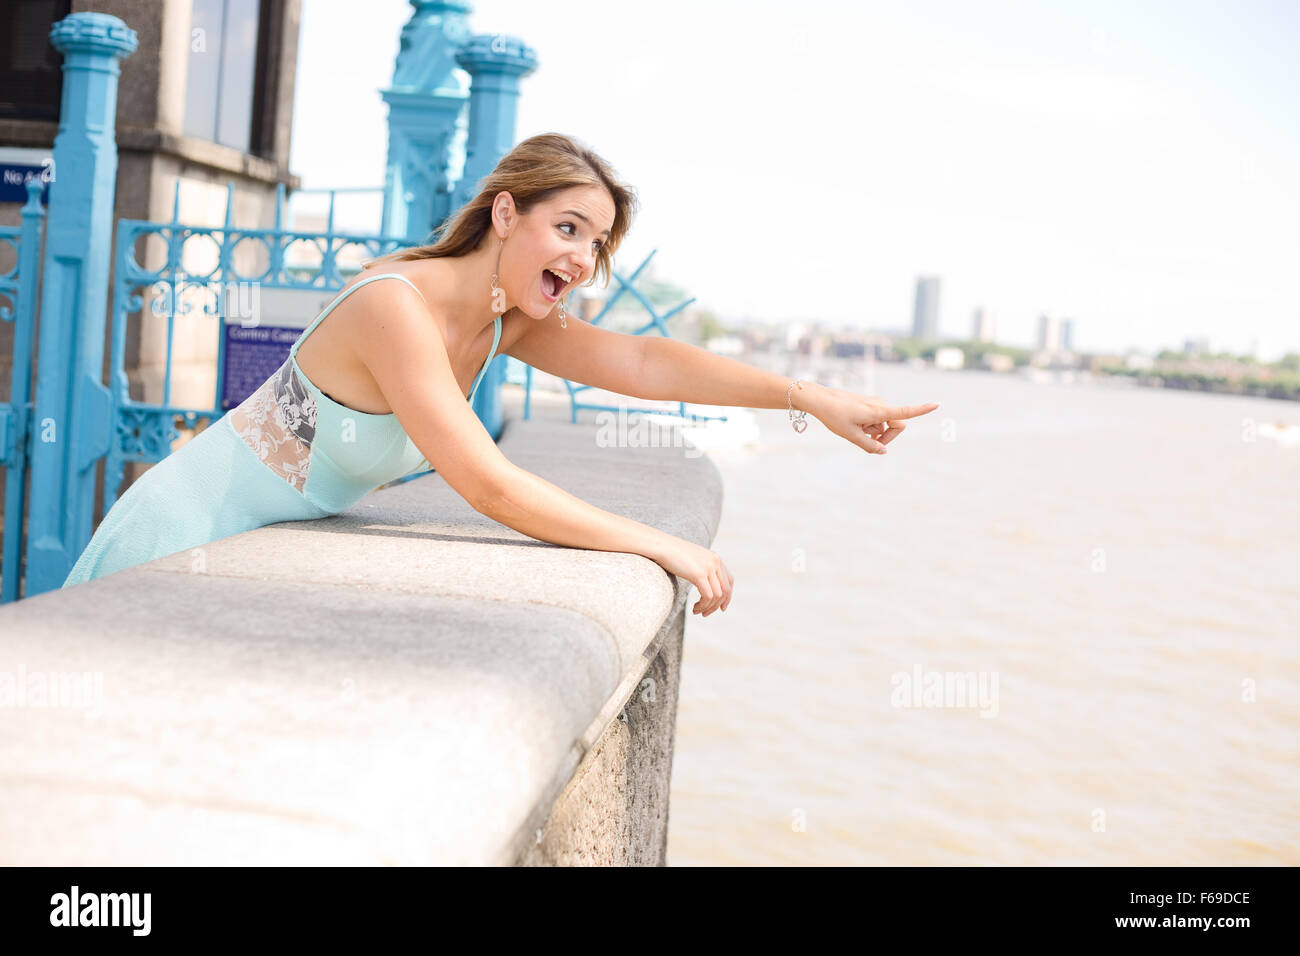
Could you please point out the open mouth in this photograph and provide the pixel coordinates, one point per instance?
(552, 284)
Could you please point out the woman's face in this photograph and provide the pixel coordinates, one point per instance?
(553, 248)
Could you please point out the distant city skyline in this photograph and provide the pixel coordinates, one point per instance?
(1131, 172)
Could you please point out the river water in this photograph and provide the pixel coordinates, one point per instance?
(1056, 624)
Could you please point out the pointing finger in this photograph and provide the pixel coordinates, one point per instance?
(909, 411)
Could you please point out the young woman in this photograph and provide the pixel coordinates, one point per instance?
(379, 392)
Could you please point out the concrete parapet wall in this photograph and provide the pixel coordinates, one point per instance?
(408, 682)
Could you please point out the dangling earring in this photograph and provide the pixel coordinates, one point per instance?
(563, 324)
(497, 293)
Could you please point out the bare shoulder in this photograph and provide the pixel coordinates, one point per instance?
(392, 311)
(412, 276)
(395, 330)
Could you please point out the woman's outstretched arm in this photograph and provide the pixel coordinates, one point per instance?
(676, 371)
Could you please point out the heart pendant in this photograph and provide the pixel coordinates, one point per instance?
(800, 425)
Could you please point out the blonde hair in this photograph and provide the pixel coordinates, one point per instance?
(532, 172)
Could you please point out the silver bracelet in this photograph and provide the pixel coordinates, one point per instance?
(796, 418)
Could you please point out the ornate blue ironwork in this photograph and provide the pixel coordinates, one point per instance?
(427, 121)
(144, 431)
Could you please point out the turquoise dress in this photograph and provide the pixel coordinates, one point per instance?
(288, 452)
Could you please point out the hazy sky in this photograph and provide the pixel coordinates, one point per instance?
(1132, 165)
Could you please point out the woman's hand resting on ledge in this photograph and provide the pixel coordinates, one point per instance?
(702, 568)
(865, 420)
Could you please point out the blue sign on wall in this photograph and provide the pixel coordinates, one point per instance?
(260, 326)
(252, 356)
(13, 182)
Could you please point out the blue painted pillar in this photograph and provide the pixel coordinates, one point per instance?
(496, 63)
(71, 425)
(427, 125)
(18, 422)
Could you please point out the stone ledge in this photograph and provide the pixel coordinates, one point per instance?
(405, 683)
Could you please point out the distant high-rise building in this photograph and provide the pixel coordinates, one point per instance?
(1067, 334)
(1197, 346)
(925, 313)
(982, 326)
(1049, 333)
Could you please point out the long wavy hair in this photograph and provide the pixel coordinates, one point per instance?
(532, 172)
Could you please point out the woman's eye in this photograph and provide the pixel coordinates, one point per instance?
(595, 242)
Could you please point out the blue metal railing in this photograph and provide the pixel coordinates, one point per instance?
(145, 431)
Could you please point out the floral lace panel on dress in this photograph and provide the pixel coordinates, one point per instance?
(278, 421)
